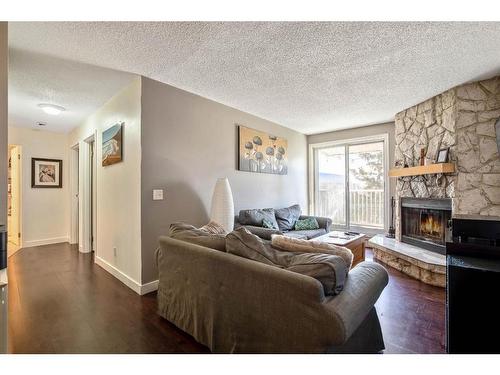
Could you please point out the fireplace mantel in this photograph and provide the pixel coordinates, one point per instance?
(438, 168)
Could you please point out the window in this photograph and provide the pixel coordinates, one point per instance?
(349, 183)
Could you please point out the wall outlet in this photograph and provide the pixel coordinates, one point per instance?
(157, 194)
(114, 251)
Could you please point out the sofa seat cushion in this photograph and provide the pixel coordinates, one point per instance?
(286, 217)
(306, 234)
(256, 217)
(329, 270)
(191, 234)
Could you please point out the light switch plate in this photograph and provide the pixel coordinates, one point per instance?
(157, 194)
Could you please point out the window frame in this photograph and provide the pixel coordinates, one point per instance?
(313, 177)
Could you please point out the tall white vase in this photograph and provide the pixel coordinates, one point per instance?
(222, 210)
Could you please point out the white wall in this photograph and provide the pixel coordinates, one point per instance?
(118, 186)
(45, 212)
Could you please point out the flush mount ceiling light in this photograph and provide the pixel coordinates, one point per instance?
(51, 109)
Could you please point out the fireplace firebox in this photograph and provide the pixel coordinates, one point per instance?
(426, 223)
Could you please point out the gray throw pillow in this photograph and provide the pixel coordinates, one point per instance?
(191, 234)
(286, 217)
(329, 270)
(256, 217)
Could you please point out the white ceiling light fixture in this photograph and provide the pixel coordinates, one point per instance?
(51, 109)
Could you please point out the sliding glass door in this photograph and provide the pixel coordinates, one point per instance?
(349, 184)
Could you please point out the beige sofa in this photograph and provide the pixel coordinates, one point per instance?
(236, 305)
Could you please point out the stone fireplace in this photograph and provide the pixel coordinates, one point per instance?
(463, 120)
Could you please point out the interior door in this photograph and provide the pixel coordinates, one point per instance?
(15, 227)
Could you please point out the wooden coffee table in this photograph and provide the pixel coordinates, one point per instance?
(355, 243)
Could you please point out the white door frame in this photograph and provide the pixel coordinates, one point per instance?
(74, 191)
(84, 195)
(19, 215)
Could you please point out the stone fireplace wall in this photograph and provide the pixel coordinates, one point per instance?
(463, 119)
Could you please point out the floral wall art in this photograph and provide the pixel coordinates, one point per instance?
(260, 152)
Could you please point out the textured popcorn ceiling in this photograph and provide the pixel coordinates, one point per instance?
(80, 88)
(311, 77)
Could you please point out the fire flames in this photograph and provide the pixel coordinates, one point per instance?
(430, 225)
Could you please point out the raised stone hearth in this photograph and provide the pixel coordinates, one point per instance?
(424, 265)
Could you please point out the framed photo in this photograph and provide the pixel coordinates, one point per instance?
(112, 145)
(46, 173)
(442, 156)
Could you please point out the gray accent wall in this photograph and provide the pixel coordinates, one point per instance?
(187, 143)
(3, 122)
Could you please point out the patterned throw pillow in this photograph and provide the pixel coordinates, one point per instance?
(307, 224)
(266, 223)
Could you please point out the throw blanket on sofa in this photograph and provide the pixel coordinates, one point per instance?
(310, 246)
(330, 270)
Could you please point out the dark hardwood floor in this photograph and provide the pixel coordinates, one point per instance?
(412, 314)
(61, 302)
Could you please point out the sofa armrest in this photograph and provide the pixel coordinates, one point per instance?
(362, 289)
(323, 222)
(264, 233)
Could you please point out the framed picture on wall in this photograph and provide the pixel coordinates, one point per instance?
(261, 152)
(46, 173)
(112, 146)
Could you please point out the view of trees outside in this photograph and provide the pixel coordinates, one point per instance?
(366, 184)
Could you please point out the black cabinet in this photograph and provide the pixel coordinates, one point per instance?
(3, 247)
(472, 284)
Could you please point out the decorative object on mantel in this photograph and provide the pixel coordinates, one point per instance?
(442, 156)
(392, 232)
(261, 152)
(222, 209)
(112, 145)
(422, 156)
(46, 173)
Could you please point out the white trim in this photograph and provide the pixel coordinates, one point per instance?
(74, 200)
(149, 287)
(46, 241)
(370, 138)
(127, 280)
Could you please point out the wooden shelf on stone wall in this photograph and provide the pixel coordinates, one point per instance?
(424, 169)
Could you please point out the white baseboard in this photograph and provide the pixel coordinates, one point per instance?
(46, 241)
(127, 280)
(149, 287)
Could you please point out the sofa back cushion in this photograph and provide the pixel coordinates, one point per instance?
(286, 217)
(256, 217)
(329, 270)
(191, 234)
